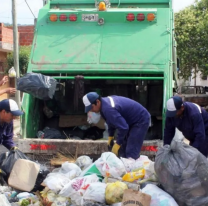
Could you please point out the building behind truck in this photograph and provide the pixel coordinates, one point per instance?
(126, 48)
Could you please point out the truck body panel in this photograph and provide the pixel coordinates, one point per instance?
(115, 55)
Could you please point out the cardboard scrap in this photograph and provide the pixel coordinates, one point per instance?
(135, 198)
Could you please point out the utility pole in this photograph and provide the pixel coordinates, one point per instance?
(16, 48)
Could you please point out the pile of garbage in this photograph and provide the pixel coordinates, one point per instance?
(107, 181)
(180, 169)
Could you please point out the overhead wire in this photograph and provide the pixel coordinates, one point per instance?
(30, 8)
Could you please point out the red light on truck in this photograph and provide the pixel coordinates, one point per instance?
(130, 17)
(140, 17)
(150, 17)
(72, 17)
(62, 17)
(53, 17)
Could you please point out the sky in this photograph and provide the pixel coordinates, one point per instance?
(24, 15)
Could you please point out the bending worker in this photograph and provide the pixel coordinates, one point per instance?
(129, 117)
(190, 119)
(8, 111)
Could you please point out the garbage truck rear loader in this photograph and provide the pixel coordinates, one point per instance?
(125, 48)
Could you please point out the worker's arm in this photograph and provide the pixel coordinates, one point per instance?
(9, 90)
(111, 130)
(199, 131)
(115, 119)
(8, 137)
(169, 131)
(4, 80)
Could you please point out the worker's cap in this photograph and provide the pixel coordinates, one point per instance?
(89, 99)
(9, 105)
(173, 105)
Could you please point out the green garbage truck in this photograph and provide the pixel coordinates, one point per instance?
(114, 47)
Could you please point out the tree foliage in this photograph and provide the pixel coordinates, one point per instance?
(191, 28)
(24, 54)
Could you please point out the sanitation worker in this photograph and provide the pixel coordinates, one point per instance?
(128, 117)
(190, 119)
(8, 111)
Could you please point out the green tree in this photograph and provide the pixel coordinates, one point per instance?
(24, 54)
(191, 28)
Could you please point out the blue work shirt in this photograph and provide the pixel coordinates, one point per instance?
(193, 125)
(122, 115)
(6, 135)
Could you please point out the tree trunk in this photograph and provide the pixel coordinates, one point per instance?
(195, 75)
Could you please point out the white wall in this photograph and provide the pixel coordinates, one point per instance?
(199, 81)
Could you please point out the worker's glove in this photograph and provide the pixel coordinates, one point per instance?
(115, 149)
(2, 175)
(110, 143)
(14, 148)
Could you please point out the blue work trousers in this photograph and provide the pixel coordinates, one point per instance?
(134, 140)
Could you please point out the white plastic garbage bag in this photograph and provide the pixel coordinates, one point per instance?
(93, 118)
(12, 72)
(83, 162)
(130, 164)
(56, 181)
(70, 170)
(95, 192)
(76, 188)
(159, 197)
(4, 201)
(105, 133)
(110, 165)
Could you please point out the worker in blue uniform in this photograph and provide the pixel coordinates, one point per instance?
(190, 119)
(128, 117)
(8, 111)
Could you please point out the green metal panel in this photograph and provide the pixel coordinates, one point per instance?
(31, 117)
(71, 44)
(112, 1)
(111, 77)
(83, 45)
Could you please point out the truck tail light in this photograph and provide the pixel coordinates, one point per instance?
(130, 17)
(72, 17)
(102, 6)
(62, 17)
(150, 17)
(53, 17)
(140, 17)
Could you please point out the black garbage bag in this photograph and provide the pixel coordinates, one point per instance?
(51, 133)
(41, 176)
(94, 133)
(183, 172)
(9, 161)
(38, 85)
(2, 158)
